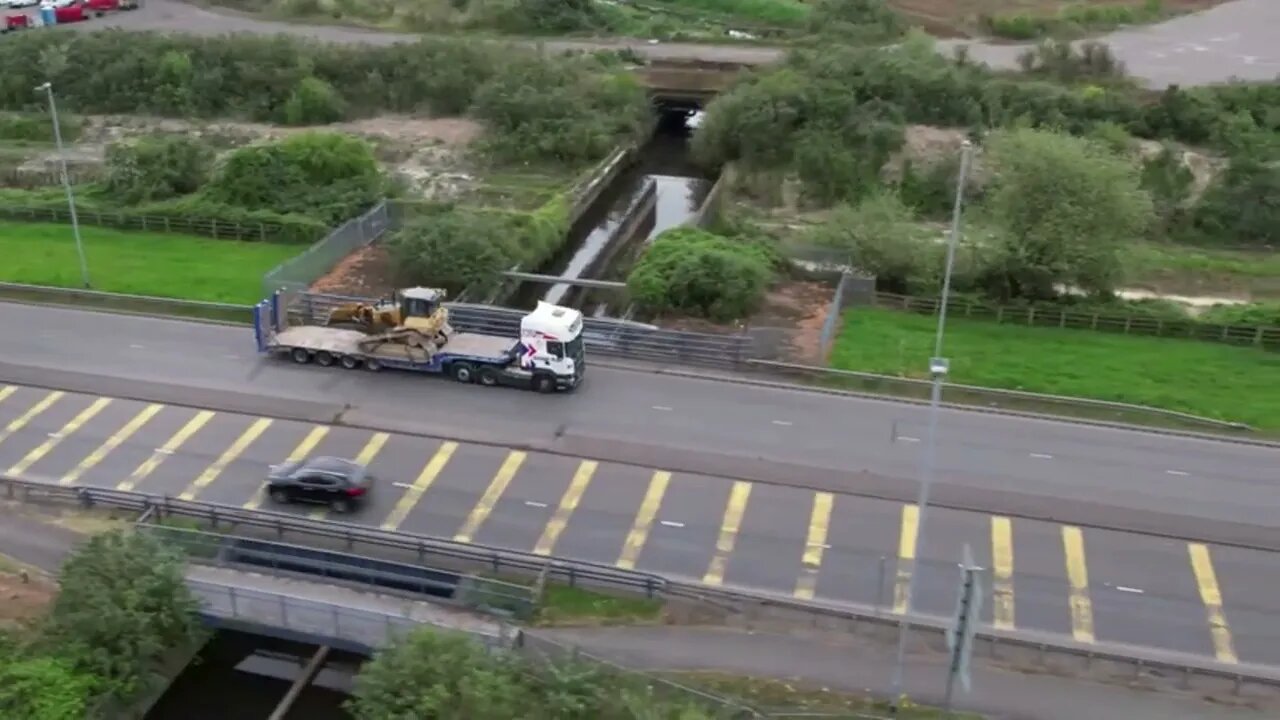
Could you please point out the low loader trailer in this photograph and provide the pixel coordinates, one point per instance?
(548, 356)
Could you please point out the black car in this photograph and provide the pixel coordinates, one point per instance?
(340, 484)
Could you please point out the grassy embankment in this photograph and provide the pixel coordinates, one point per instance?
(139, 263)
(1208, 379)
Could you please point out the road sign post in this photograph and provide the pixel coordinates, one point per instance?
(963, 625)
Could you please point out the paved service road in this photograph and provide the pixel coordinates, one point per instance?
(1093, 585)
(1215, 491)
(1233, 40)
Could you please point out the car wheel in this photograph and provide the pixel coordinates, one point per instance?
(341, 505)
(280, 495)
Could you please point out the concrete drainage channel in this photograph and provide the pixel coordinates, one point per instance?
(393, 562)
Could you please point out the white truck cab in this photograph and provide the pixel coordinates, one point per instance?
(551, 341)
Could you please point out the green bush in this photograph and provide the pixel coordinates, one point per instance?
(273, 78)
(1254, 314)
(882, 237)
(1241, 207)
(329, 176)
(855, 20)
(37, 127)
(156, 168)
(691, 271)
(464, 248)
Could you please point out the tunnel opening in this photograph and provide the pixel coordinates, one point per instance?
(610, 235)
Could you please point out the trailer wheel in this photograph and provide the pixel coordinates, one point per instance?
(372, 364)
(349, 362)
(300, 356)
(488, 377)
(462, 372)
(544, 383)
(324, 359)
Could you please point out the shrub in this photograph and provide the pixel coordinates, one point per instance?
(313, 102)
(692, 271)
(156, 168)
(1242, 206)
(38, 127)
(329, 176)
(883, 238)
(855, 20)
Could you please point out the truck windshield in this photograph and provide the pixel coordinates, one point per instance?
(573, 349)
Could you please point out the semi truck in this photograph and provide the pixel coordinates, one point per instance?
(547, 356)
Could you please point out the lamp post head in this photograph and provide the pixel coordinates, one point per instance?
(44, 86)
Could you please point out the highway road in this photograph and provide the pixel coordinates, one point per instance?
(1084, 475)
(1090, 584)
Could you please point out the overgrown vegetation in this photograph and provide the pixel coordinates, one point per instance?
(451, 677)
(123, 608)
(1073, 19)
(694, 272)
(1160, 372)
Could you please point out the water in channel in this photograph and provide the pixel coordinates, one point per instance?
(679, 189)
(238, 675)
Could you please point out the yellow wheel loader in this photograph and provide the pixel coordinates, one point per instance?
(417, 309)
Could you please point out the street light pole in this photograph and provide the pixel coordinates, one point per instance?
(66, 183)
(938, 367)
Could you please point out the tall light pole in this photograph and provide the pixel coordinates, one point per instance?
(66, 183)
(938, 366)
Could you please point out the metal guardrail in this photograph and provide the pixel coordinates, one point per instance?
(364, 629)
(969, 396)
(121, 302)
(751, 606)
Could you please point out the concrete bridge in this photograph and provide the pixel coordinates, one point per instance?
(688, 83)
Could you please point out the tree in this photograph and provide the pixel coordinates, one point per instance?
(1064, 206)
(1242, 207)
(123, 604)
(884, 239)
(454, 249)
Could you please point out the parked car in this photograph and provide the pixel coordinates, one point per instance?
(58, 3)
(322, 480)
(20, 3)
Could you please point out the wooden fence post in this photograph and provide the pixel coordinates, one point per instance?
(1062, 318)
(1128, 320)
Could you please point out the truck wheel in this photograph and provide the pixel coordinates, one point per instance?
(300, 356)
(324, 359)
(544, 383)
(488, 377)
(372, 364)
(462, 372)
(349, 362)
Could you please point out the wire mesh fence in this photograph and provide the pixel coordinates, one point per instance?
(127, 220)
(298, 273)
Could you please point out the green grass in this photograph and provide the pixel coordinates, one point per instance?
(784, 697)
(783, 13)
(1182, 268)
(161, 264)
(565, 605)
(1208, 379)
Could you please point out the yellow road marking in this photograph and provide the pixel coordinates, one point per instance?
(429, 473)
(30, 414)
(111, 443)
(729, 527)
(365, 458)
(568, 503)
(1078, 576)
(644, 520)
(819, 522)
(1002, 572)
(52, 441)
(490, 498)
(212, 472)
(6, 391)
(300, 452)
(906, 558)
(1211, 595)
(171, 446)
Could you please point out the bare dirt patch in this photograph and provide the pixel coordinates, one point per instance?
(23, 598)
(962, 18)
(792, 315)
(367, 272)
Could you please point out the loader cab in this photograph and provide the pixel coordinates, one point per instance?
(419, 302)
(551, 341)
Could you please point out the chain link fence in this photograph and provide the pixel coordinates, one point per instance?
(298, 273)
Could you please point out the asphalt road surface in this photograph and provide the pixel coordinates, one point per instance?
(1233, 40)
(1097, 586)
(1039, 469)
